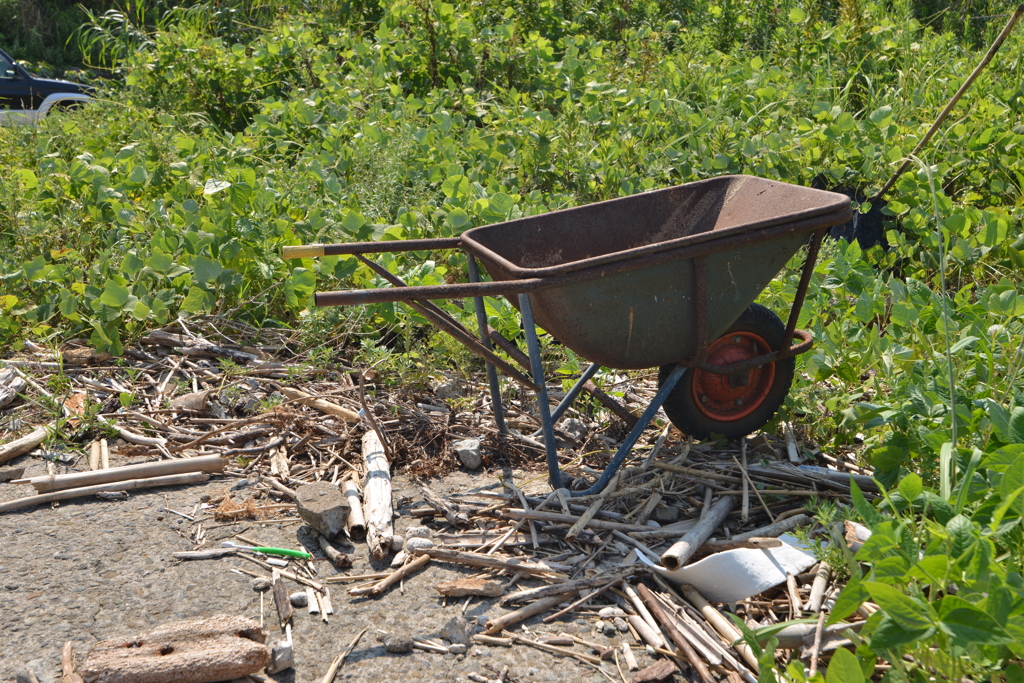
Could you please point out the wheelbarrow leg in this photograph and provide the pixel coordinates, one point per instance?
(547, 425)
(492, 374)
(634, 434)
(547, 421)
(571, 396)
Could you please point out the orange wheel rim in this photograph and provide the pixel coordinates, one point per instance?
(727, 398)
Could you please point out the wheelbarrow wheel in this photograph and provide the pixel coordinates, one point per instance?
(703, 403)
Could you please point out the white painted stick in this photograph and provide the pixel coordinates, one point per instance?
(681, 551)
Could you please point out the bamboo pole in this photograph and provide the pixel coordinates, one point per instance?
(676, 556)
(172, 480)
(58, 482)
(355, 525)
(321, 405)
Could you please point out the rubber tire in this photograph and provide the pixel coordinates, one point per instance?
(684, 411)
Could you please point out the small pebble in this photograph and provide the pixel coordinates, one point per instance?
(398, 643)
(298, 599)
(418, 532)
(620, 624)
(651, 523)
(609, 629)
(457, 649)
(397, 543)
(414, 543)
(611, 612)
(260, 584)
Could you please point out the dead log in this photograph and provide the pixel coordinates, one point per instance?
(218, 648)
(497, 624)
(377, 494)
(451, 513)
(281, 601)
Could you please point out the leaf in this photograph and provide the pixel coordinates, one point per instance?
(300, 287)
(850, 598)
(909, 613)
(967, 625)
(159, 261)
(961, 531)
(215, 186)
(890, 635)
(796, 15)
(1017, 425)
(866, 510)
(910, 487)
(1003, 458)
(206, 270)
(881, 117)
(198, 300)
(114, 295)
(844, 668)
(28, 178)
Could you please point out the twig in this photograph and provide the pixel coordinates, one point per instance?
(332, 671)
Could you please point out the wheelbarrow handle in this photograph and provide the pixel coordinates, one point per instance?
(354, 297)
(394, 246)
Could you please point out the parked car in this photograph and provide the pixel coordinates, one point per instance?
(25, 98)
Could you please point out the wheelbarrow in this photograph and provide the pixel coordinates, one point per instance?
(661, 279)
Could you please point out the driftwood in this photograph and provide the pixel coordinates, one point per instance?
(676, 556)
(11, 384)
(775, 529)
(321, 405)
(681, 642)
(67, 665)
(172, 480)
(339, 559)
(558, 517)
(13, 449)
(454, 517)
(504, 621)
(724, 627)
(58, 482)
(393, 578)
(821, 577)
(281, 601)
(479, 560)
(562, 588)
(377, 494)
(355, 525)
(218, 648)
(462, 587)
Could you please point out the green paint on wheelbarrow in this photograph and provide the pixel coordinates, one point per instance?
(634, 305)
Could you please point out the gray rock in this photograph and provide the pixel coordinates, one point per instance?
(665, 514)
(416, 543)
(418, 532)
(448, 389)
(608, 628)
(282, 656)
(611, 612)
(457, 630)
(39, 670)
(620, 624)
(9, 473)
(573, 428)
(260, 584)
(240, 484)
(322, 506)
(458, 649)
(397, 543)
(653, 524)
(468, 451)
(298, 599)
(398, 643)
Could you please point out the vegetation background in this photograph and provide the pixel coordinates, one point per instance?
(225, 130)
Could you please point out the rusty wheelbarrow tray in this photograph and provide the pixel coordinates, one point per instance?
(648, 280)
